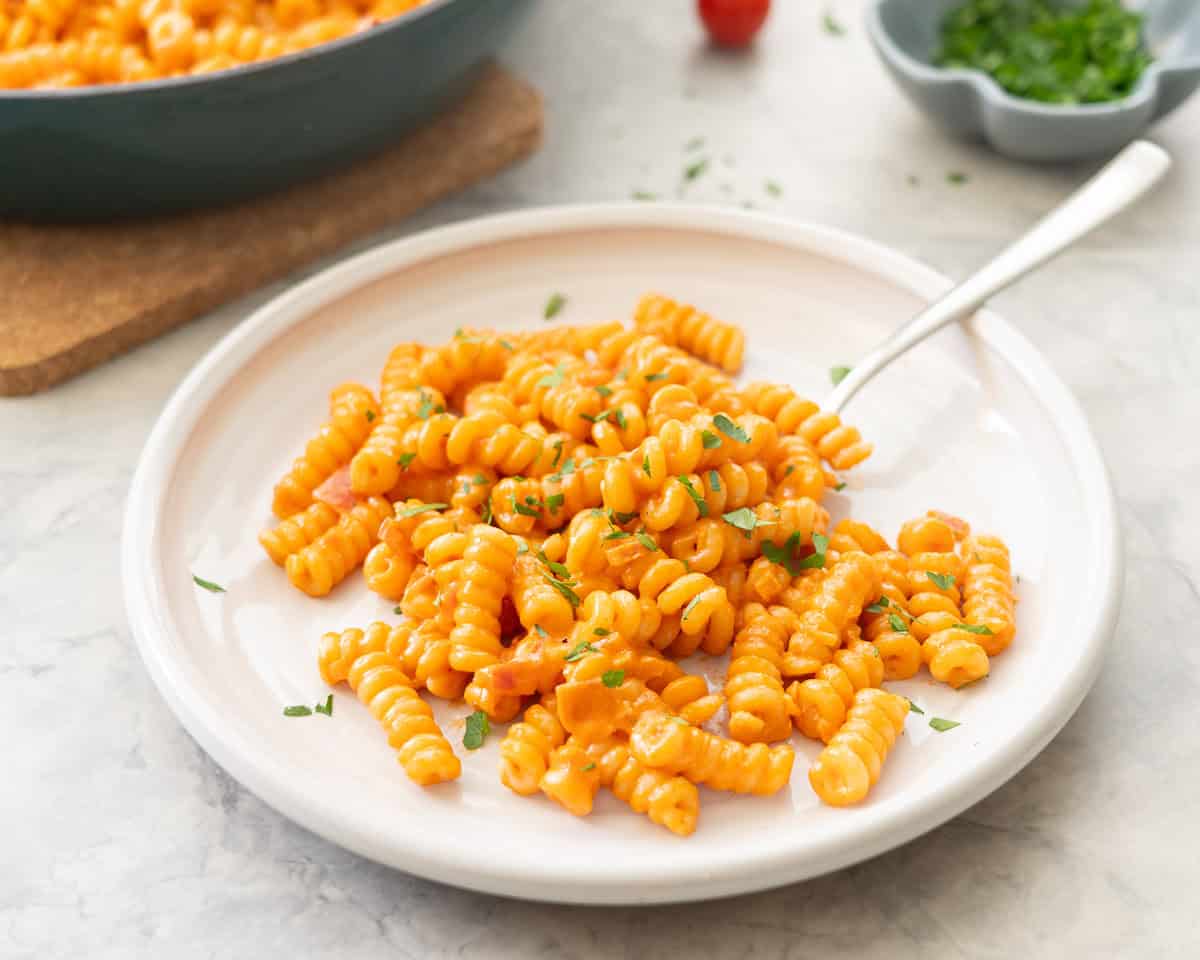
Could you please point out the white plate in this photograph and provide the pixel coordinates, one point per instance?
(973, 422)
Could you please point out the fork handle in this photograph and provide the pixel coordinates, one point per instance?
(1122, 181)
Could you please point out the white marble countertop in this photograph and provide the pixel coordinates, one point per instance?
(121, 838)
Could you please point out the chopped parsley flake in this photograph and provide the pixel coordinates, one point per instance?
(603, 390)
(730, 429)
(878, 606)
(831, 25)
(297, 711)
(710, 440)
(699, 501)
(943, 581)
(419, 508)
(612, 678)
(982, 629)
(554, 306)
(207, 584)
(326, 707)
(579, 651)
(571, 596)
(406, 459)
(942, 725)
(646, 541)
(743, 518)
(370, 415)
(897, 623)
(477, 730)
(838, 374)
(714, 481)
(694, 170)
(551, 379)
(915, 709)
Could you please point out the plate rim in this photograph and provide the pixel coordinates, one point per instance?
(145, 598)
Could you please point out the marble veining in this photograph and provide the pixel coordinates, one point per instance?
(123, 839)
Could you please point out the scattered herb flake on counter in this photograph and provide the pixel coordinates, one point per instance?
(694, 144)
(1054, 52)
(831, 26)
(838, 488)
(554, 306)
(694, 170)
(957, 178)
(838, 374)
(477, 730)
(326, 707)
(941, 725)
(773, 188)
(645, 196)
(297, 711)
(913, 180)
(207, 584)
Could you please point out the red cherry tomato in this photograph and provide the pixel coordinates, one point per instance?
(733, 23)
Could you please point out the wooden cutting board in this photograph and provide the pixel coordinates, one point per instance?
(72, 297)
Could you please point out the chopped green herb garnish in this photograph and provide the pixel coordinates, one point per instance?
(601, 631)
(406, 459)
(397, 610)
(479, 480)
(616, 535)
(785, 555)
(603, 390)
(522, 509)
(710, 440)
(879, 605)
(558, 452)
(623, 517)
(560, 571)
(619, 416)
(915, 709)
(571, 596)
(646, 541)
(714, 481)
(477, 730)
(370, 415)
(522, 547)
(831, 26)
(297, 711)
(743, 518)
(838, 374)
(485, 515)
(941, 725)
(699, 501)
(694, 170)
(207, 584)
(1061, 53)
(897, 623)
(694, 144)
(956, 177)
(578, 651)
(652, 377)
(644, 195)
(326, 707)
(426, 406)
(646, 465)
(982, 629)
(554, 306)
(773, 188)
(597, 417)
(612, 678)
(817, 558)
(587, 767)
(691, 605)
(789, 471)
(840, 487)
(913, 180)
(943, 581)
(506, 345)
(730, 429)
(541, 631)
(419, 508)
(554, 501)
(551, 379)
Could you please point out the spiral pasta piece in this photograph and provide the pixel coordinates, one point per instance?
(352, 408)
(822, 701)
(684, 326)
(487, 571)
(387, 573)
(850, 764)
(329, 559)
(849, 585)
(759, 709)
(929, 543)
(526, 748)
(671, 744)
(839, 445)
(669, 801)
(422, 750)
(956, 657)
(988, 598)
(297, 532)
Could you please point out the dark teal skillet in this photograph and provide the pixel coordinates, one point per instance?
(170, 145)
